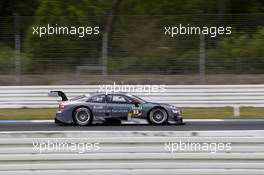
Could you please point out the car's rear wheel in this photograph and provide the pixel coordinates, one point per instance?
(158, 116)
(82, 116)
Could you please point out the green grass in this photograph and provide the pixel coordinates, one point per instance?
(221, 113)
(27, 114)
(190, 113)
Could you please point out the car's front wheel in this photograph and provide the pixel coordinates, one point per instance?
(158, 116)
(82, 116)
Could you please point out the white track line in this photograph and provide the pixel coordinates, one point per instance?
(82, 131)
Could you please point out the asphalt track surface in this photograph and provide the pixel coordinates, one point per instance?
(188, 126)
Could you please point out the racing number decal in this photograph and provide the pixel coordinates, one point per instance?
(135, 112)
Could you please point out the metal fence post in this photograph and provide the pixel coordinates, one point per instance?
(202, 58)
(202, 55)
(105, 53)
(236, 111)
(17, 49)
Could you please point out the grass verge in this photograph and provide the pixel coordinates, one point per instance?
(188, 113)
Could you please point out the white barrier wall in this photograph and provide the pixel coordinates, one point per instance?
(130, 153)
(180, 95)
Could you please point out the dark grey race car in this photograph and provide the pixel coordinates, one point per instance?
(113, 107)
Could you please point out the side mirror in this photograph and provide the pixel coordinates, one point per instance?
(136, 104)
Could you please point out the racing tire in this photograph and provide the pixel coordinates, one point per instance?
(158, 116)
(82, 116)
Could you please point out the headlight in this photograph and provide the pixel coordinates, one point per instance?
(173, 107)
(176, 111)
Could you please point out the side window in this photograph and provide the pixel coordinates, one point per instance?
(97, 99)
(118, 99)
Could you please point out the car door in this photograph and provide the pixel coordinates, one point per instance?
(119, 105)
(98, 105)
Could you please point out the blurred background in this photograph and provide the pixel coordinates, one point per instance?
(131, 47)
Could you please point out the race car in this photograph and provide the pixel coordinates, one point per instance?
(113, 107)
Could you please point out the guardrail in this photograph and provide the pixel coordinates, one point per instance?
(235, 96)
(130, 153)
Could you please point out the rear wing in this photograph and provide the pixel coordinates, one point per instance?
(58, 94)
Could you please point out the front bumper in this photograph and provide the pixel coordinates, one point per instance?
(175, 117)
